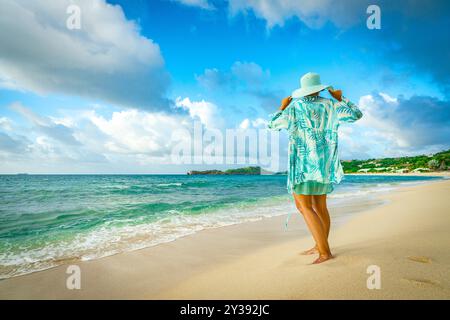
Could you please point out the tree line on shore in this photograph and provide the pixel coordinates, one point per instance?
(423, 163)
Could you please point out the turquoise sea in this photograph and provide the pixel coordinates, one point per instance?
(47, 220)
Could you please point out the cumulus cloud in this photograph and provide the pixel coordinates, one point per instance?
(212, 79)
(247, 78)
(250, 86)
(313, 13)
(44, 142)
(12, 145)
(44, 125)
(353, 143)
(256, 123)
(268, 98)
(203, 4)
(417, 124)
(122, 140)
(414, 34)
(5, 123)
(250, 73)
(137, 132)
(107, 59)
(206, 112)
(240, 75)
(343, 14)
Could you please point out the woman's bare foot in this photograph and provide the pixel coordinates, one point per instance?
(323, 258)
(310, 251)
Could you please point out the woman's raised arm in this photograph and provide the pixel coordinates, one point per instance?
(279, 120)
(346, 110)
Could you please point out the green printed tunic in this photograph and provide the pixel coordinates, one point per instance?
(312, 124)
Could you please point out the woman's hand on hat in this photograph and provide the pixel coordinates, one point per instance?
(337, 94)
(285, 102)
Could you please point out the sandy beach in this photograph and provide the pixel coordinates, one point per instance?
(410, 174)
(404, 233)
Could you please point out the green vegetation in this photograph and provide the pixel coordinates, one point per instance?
(194, 172)
(241, 171)
(246, 170)
(437, 162)
(423, 163)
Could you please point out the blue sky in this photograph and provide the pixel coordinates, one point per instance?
(106, 97)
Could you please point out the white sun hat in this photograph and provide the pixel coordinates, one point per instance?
(309, 84)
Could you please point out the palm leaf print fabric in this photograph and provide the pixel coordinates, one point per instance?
(312, 124)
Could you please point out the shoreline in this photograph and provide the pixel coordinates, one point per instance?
(236, 214)
(432, 173)
(443, 174)
(121, 275)
(335, 201)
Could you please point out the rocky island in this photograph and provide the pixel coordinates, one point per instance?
(238, 171)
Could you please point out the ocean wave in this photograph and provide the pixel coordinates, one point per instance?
(358, 192)
(367, 189)
(125, 235)
(172, 184)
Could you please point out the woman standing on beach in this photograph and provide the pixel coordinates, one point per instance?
(312, 123)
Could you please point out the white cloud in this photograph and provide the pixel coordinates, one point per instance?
(206, 111)
(314, 13)
(399, 126)
(56, 131)
(12, 146)
(381, 128)
(257, 123)
(5, 124)
(106, 59)
(82, 140)
(204, 4)
(249, 72)
(241, 74)
(213, 78)
(247, 82)
(388, 98)
(136, 132)
(245, 124)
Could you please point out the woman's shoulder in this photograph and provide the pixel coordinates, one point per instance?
(309, 100)
(324, 100)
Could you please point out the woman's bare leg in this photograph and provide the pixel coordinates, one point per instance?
(314, 249)
(304, 204)
(320, 207)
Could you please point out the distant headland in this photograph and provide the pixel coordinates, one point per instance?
(437, 162)
(253, 171)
